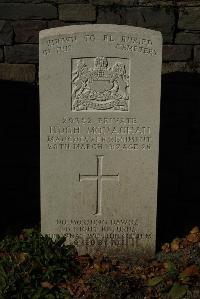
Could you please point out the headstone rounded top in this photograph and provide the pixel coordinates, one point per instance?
(99, 28)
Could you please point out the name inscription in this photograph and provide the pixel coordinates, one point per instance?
(101, 133)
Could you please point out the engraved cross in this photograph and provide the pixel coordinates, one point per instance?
(99, 178)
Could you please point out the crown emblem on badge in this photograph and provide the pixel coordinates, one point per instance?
(100, 84)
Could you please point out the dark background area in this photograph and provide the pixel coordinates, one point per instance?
(20, 191)
(179, 160)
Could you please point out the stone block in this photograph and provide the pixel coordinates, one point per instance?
(189, 18)
(167, 37)
(197, 53)
(6, 33)
(77, 12)
(28, 31)
(23, 53)
(188, 38)
(161, 19)
(1, 54)
(16, 11)
(169, 2)
(17, 72)
(56, 23)
(73, 1)
(114, 2)
(172, 67)
(177, 52)
(111, 16)
(197, 68)
(59, 23)
(155, 2)
(28, 1)
(188, 3)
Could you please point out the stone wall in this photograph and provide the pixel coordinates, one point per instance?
(21, 20)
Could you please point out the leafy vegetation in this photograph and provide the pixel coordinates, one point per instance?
(34, 266)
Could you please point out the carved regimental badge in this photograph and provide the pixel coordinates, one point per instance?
(100, 83)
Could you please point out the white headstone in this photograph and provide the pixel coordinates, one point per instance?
(100, 105)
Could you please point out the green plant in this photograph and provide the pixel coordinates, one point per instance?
(33, 266)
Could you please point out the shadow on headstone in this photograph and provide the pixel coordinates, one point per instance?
(179, 160)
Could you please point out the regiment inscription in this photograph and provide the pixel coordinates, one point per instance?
(99, 115)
